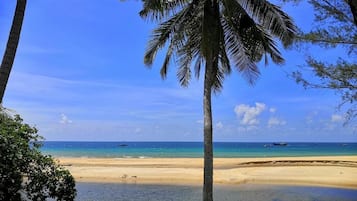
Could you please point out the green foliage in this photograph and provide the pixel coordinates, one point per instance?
(341, 77)
(26, 174)
(217, 32)
(335, 26)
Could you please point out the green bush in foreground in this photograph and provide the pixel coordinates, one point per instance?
(26, 174)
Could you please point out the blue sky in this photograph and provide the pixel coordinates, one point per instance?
(79, 75)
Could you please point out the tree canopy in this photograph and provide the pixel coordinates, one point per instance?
(238, 32)
(335, 26)
(25, 173)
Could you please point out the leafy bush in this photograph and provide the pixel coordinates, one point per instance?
(26, 174)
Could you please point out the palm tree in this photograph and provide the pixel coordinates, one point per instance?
(11, 47)
(215, 33)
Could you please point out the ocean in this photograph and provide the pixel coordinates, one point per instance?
(194, 149)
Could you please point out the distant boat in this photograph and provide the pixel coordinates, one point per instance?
(280, 144)
(123, 145)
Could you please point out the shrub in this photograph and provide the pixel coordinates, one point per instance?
(25, 173)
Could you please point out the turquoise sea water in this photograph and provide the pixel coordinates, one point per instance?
(194, 149)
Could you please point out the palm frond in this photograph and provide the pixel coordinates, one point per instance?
(223, 57)
(184, 70)
(257, 40)
(222, 65)
(222, 68)
(272, 18)
(165, 65)
(198, 64)
(217, 84)
(270, 46)
(163, 33)
(241, 30)
(238, 53)
(157, 10)
(190, 46)
(240, 40)
(187, 53)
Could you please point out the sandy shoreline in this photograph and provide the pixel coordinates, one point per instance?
(335, 171)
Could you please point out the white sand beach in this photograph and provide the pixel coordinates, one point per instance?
(334, 171)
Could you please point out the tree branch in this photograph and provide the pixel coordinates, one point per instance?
(336, 10)
(327, 41)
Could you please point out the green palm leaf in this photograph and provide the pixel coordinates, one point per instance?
(272, 18)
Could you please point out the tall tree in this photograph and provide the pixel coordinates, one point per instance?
(11, 47)
(215, 33)
(335, 26)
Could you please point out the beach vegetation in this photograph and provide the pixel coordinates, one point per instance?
(210, 36)
(334, 27)
(25, 173)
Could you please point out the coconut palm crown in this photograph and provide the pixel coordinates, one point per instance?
(196, 31)
(215, 33)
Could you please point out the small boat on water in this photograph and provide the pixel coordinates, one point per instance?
(280, 144)
(123, 145)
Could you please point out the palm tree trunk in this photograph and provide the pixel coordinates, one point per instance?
(208, 148)
(11, 47)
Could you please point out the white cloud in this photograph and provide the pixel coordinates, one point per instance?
(272, 110)
(65, 120)
(219, 125)
(249, 114)
(336, 118)
(273, 121)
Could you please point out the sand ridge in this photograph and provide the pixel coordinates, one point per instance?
(337, 171)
